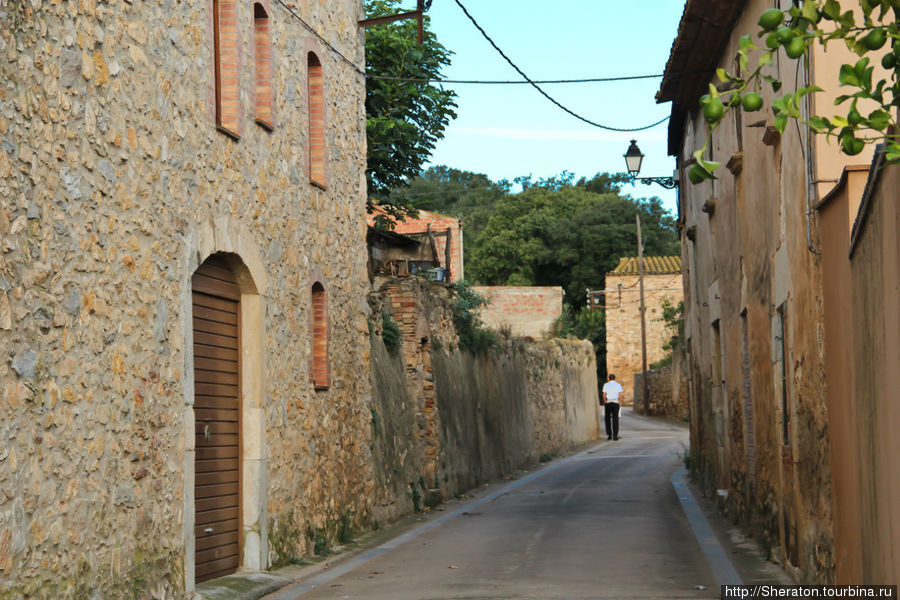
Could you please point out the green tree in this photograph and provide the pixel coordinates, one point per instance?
(570, 237)
(875, 40)
(404, 119)
(464, 195)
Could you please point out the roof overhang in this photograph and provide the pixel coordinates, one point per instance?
(703, 33)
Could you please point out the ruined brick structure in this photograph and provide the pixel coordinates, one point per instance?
(161, 427)
(445, 230)
(662, 281)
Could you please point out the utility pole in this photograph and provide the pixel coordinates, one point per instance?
(645, 387)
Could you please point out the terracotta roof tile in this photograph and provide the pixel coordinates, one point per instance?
(653, 265)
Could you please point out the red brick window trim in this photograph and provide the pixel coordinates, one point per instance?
(316, 95)
(262, 39)
(320, 368)
(225, 35)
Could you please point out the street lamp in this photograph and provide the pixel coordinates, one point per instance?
(633, 159)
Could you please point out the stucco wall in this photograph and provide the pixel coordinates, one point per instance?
(862, 352)
(529, 311)
(623, 323)
(114, 186)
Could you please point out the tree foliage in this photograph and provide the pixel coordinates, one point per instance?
(404, 119)
(568, 237)
(875, 39)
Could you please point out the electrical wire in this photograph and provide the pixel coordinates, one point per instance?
(542, 92)
(528, 80)
(510, 82)
(313, 31)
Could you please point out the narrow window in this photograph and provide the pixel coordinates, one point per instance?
(225, 49)
(263, 54)
(319, 337)
(315, 93)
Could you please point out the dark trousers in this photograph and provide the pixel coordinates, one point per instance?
(612, 419)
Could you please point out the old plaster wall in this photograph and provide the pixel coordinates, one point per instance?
(114, 186)
(748, 262)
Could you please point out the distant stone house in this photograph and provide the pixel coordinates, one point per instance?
(752, 252)
(182, 290)
(622, 302)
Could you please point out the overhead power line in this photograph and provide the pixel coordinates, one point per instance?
(513, 82)
(527, 80)
(542, 92)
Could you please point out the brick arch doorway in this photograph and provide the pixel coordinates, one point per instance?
(216, 302)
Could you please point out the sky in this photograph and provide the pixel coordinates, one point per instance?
(506, 131)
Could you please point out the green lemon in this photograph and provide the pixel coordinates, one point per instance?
(852, 146)
(772, 41)
(734, 99)
(713, 111)
(784, 35)
(752, 102)
(795, 48)
(889, 60)
(771, 19)
(875, 39)
(696, 174)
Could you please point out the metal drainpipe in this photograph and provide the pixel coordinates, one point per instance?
(810, 171)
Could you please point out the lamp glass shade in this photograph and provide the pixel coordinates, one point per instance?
(633, 158)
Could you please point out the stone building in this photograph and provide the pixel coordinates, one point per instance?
(662, 282)
(752, 257)
(182, 290)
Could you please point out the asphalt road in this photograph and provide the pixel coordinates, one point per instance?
(604, 524)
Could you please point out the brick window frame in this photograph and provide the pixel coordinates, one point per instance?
(319, 327)
(226, 62)
(317, 118)
(264, 101)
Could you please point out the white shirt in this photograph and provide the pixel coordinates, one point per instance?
(612, 389)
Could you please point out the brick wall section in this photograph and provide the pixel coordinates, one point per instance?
(439, 223)
(265, 114)
(316, 93)
(530, 311)
(623, 323)
(320, 366)
(228, 101)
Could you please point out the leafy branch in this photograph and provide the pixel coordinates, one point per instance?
(796, 30)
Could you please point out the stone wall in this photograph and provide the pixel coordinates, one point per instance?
(529, 311)
(667, 389)
(114, 186)
(475, 416)
(623, 323)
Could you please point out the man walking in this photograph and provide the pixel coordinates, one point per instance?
(611, 392)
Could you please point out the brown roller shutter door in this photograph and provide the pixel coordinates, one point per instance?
(217, 487)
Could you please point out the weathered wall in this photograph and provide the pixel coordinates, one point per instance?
(114, 186)
(530, 311)
(667, 387)
(476, 416)
(758, 425)
(623, 324)
(862, 352)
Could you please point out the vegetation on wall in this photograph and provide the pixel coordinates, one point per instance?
(473, 335)
(876, 40)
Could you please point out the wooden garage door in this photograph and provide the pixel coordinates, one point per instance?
(217, 414)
